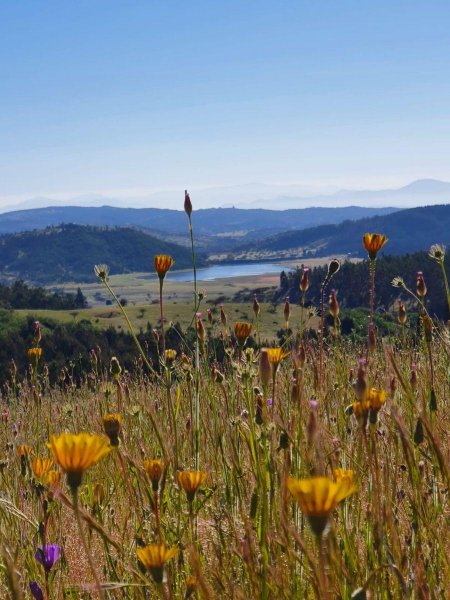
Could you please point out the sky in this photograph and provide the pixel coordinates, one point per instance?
(125, 99)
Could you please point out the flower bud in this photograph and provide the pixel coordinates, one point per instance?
(360, 385)
(201, 333)
(115, 369)
(287, 311)
(333, 304)
(421, 287)
(256, 306)
(401, 317)
(223, 316)
(304, 281)
(187, 204)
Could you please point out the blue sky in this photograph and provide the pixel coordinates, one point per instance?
(125, 98)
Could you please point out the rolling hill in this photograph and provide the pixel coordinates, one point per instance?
(69, 253)
(408, 231)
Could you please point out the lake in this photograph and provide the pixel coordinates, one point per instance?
(227, 271)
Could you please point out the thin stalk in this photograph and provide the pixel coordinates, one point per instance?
(161, 317)
(447, 289)
(85, 545)
(197, 359)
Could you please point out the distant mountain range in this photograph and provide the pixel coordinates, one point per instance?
(257, 195)
(408, 231)
(69, 253)
(235, 224)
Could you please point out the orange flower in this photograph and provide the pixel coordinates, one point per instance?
(318, 496)
(373, 242)
(41, 466)
(34, 354)
(163, 262)
(375, 399)
(276, 355)
(75, 453)
(154, 469)
(242, 330)
(52, 478)
(154, 557)
(190, 481)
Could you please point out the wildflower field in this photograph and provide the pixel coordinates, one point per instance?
(315, 468)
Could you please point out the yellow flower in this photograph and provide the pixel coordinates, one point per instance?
(170, 355)
(373, 242)
(112, 424)
(75, 453)
(163, 262)
(340, 474)
(23, 450)
(375, 399)
(52, 478)
(154, 470)
(41, 466)
(361, 411)
(190, 481)
(154, 557)
(276, 355)
(34, 354)
(242, 330)
(318, 496)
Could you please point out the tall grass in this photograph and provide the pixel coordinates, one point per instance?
(241, 535)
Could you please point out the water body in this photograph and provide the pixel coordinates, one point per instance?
(228, 271)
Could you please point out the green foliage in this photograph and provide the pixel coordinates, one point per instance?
(352, 283)
(20, 295)
(68, 253)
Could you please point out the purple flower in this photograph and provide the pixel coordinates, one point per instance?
(48, 558)
(36, 590)
(269, 401)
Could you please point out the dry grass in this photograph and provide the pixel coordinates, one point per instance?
(242, 536)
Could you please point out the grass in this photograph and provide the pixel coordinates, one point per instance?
(242, 535)
(174, 311)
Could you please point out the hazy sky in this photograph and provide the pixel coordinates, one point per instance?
(128, 97)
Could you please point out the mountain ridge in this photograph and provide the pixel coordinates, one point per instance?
(408, 231)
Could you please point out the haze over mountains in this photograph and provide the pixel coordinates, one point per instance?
(255, 195)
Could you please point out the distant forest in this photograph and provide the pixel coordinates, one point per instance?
(352, 283)
(20, 295)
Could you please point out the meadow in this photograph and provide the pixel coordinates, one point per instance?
(313, 469)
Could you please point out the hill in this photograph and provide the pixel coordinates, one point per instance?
(69, 253)
(233, 222)
(408, 231)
